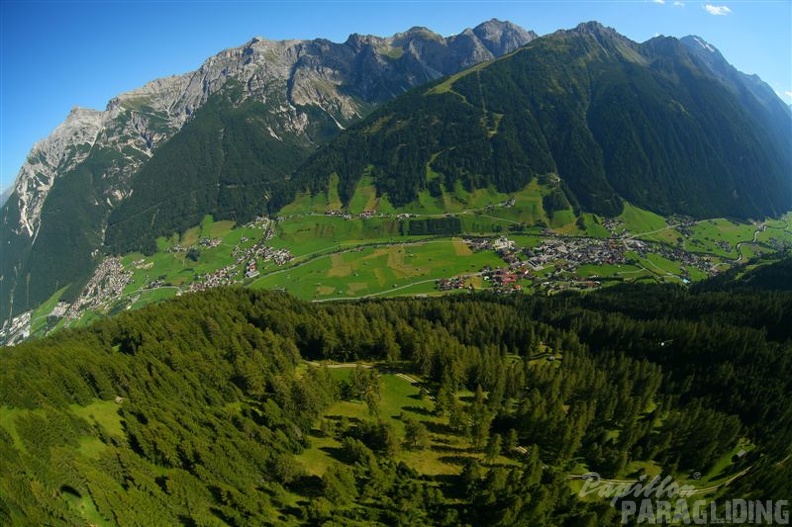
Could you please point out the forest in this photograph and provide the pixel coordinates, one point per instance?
(200, 410)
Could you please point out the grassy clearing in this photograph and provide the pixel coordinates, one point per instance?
(308, 235)
(447, 86)
(721, 236)
(8, 423)
(722, 470)
(399, 397)
(154, 295)
(365, 196)
(103, 413)
(86, 507)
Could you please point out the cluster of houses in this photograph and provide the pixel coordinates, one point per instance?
(220, 277)
(490, 244)
(105, 287)
(251, 269)
(15, 330)
(566, 255)
(210, 242)
(154, 284)
(614, 226)
(338, 212)
(261, 251)
(263, 223)
(449, 284)
(503, 204)
(506, 280)
(348, 216)
(576, 251)
(248, 259)
(217, 278)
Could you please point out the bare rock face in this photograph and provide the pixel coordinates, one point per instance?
(501, 38)
(64, 149)
(297, 80)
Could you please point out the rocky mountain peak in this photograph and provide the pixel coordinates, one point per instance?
(693, 40)
(502, 37)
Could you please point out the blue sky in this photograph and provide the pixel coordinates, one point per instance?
(58, 54)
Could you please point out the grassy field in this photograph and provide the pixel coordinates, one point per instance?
(721, 236)
(102, 413)
(378, 270)
(175, 268)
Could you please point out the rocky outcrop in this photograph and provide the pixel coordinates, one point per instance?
(64, 149)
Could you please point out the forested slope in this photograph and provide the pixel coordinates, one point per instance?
(193, 411)
(648, 123)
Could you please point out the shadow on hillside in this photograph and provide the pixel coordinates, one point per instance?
(309, 486)
(447, 447)
(439, 428)
(460, 461)
(334, 452)
(418, 410)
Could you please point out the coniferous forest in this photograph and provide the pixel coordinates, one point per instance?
(200, 411)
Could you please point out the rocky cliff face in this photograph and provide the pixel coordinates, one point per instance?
(64, 149)
(96, 154)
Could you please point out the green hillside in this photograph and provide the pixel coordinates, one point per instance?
(614, 119)
(236, 407)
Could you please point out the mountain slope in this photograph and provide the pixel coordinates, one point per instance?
(297, 95)
(649, 123)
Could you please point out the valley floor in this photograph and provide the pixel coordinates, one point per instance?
(493, 242)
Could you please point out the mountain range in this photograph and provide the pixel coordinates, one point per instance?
(249, 114)
(668, 125)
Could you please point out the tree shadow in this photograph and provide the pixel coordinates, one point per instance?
(450, 448)
(460, 461)
(334, 452)
(340, 418)
(439, 428)
(450, 485)
(418, 410)
(308, 486)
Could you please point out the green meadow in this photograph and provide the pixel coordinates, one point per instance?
(376, 270)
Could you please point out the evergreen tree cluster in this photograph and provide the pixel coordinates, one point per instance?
(210, 401)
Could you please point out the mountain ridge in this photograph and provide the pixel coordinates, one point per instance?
(309, 91)
(567, 103)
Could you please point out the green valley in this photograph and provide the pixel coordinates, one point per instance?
(480, 240)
